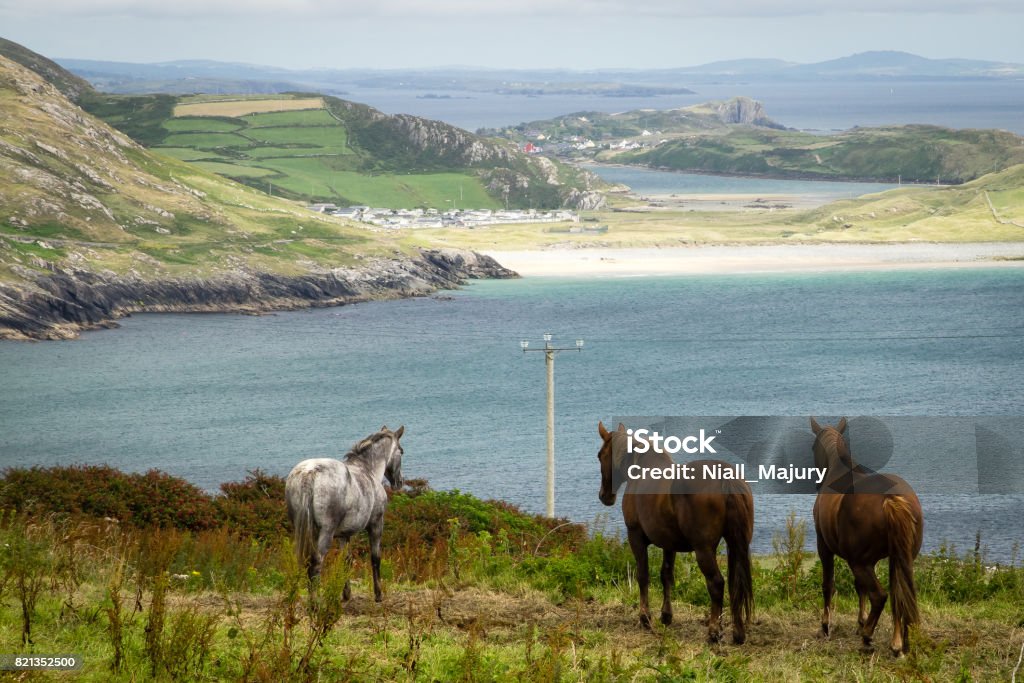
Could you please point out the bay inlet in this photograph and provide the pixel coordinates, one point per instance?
(212, 397)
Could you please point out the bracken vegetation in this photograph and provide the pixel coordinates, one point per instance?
(145, 577)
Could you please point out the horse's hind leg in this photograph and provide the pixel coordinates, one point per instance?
(375, 530)
(668, 580)
(828, 584)
(708, 564)
(638, 544)
(323, 545)
(867, 583)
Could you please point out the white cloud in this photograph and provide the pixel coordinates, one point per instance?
(582, 10)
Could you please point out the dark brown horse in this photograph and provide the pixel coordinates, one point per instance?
(864, 517)
(683, 516)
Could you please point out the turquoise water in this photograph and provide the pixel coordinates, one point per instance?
(209, 397)
(648, 181)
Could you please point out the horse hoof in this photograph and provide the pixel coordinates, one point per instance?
(714, 638)
(666, 618)
(645, 621)
(378, 598)
(824, 631)
(739, 638)
(346, 593)
(896, 653)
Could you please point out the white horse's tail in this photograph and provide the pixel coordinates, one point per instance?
(299, 494)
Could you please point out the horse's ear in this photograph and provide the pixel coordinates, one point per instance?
(621, 427)
(841, 427)
(815, 427)
(401, 430)
(383, 428)
(602, 431)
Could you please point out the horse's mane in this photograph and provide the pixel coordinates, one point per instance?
(837, 445)
(360, 448)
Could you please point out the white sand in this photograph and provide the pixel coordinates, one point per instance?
(784, 258)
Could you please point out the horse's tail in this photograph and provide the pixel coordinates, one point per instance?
(739, 528)
(902, 534)
(300, 509)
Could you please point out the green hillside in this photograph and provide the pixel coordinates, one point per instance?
(737, 137)
(330, 150)
(72, 86)
(915, 153)
(77, 193)
(990, 208)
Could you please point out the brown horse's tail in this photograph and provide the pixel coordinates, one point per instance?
(739, 528)
(902, 534)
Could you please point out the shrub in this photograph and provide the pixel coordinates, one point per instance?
(153, 499)
(254, 506)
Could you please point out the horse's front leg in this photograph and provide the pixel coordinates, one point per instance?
(708, 564)
(375, 531)
(668, 580)
(638, 544)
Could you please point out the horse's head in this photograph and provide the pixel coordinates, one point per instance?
(829, 443)
(610, 456)
(393, 461)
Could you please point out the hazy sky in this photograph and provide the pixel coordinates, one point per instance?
(510, 33)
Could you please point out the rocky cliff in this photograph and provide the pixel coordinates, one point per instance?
(743, 111)
(56, 303)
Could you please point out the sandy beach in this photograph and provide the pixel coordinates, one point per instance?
(783, 258)
(731, 202)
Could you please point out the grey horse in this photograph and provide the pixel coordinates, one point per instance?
(330, 498)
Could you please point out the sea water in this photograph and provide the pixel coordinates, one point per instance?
(210, 397)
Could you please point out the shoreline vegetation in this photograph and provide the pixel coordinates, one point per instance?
(146, 577)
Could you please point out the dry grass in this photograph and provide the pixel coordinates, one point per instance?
(783, 644)
(243, 107)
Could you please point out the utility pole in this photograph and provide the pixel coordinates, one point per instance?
(549, 363)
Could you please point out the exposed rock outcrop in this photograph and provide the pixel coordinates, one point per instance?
(58, 304)
(744, 110)
(588, 200)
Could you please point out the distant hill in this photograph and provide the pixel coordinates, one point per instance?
(915, 153)
(739, 66)
(203, 76)
(893, 64)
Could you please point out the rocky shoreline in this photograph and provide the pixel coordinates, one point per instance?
(59, 304)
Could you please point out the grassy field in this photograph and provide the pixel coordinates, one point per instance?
(301, 153)
(189, 587)
(910, 214)
(241, 107)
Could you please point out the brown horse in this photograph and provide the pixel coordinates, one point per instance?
(683, 516)
(864, 517)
